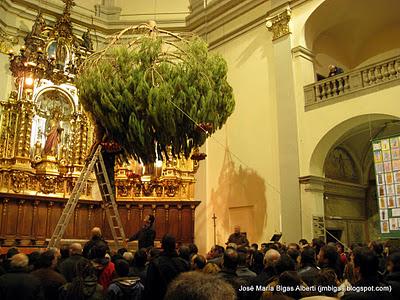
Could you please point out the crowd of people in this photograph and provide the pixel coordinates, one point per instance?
(236, 271)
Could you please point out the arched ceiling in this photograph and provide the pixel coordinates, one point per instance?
(353, 31)
(137, 6)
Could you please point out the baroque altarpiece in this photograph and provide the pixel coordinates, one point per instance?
(45, 137)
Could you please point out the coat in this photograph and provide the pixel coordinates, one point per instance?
(68, 266)
(161, 271)
(50, 282)
(17, 284)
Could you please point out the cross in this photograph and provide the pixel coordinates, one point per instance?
(68, 4)
(215, 226)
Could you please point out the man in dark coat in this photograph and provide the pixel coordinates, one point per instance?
(123, 286)
(18, 284)
(238, 238)
(68, 266)
(163, 269)
(146, 235)
(50, 280)
(97, 240)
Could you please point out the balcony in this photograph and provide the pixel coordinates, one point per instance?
(354, 83)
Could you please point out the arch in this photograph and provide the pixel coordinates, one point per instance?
(367, 34)
(64, 92)
(340, 164)
(341, 132)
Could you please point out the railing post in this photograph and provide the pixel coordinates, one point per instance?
(309, 94)
(355, 80)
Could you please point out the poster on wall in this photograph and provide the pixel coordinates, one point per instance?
(386, 153)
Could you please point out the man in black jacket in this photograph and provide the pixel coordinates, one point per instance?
(146, 235)
(68, 266)
(18, 284)
(163, 269)
(96, 241)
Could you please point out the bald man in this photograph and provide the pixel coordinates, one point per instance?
(68, 266)
(95, 241)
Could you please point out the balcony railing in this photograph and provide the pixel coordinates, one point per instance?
(332, 88)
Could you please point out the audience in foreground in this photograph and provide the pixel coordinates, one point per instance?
(180, 272)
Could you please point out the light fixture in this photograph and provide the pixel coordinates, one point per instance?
(28, 81)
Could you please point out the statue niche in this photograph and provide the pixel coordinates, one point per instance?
(51, 129)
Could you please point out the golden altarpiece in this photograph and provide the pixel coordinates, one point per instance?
(45, 137)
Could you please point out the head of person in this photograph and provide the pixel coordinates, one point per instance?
(264, 247)
(230, 260)
(140, 258)
(211, 268)
(198, 262)
(242, 256)
(149, 220)
(11, 252)
(34, 260)
(328, 256)
(121, 267)
(254, 247)
(121, 251)
(193, 249)
(64, 251)
(96, 233)
(303, 243)
(376, 246)
(152, 253)
(184, 252)
(168, 243)
(271, 257)
(293, 246)
(199, 286)
(284, 263)
(291, 279)
(294, 254)
(236, 229)
(128, 256)
(366, 263)
(393, 262)
(98, 252)
(48, 259)
(19, 261)
(216, 251)
(308, 257)
(339, 248)
(327, 278)
(317, 244)
(75, 249)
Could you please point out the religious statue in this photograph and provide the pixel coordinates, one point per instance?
(38, 26)
(87, 40)
(61, 52)
(54, 134)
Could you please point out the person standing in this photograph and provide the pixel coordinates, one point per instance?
(146, 235)
(95, 241)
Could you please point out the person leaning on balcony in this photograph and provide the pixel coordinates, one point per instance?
(334, 70)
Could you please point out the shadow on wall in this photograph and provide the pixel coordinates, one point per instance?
(239, 199)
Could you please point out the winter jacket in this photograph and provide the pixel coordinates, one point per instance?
(125, 288)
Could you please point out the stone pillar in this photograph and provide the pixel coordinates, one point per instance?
(312, 206)
(278, 24)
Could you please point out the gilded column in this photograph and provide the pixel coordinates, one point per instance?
(24, 133)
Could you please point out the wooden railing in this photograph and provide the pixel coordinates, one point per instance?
(351, 82)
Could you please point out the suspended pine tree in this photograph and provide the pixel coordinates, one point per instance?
(155, 91)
